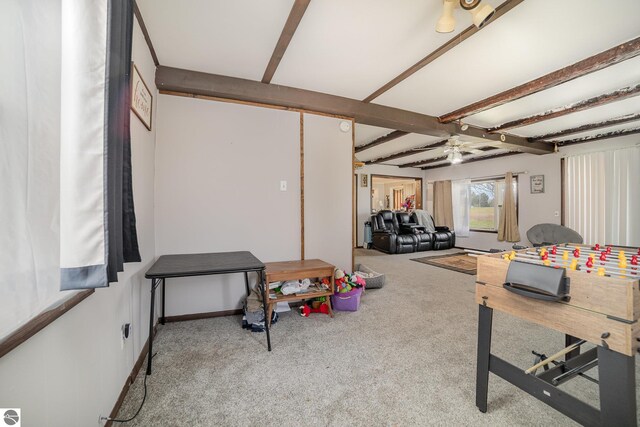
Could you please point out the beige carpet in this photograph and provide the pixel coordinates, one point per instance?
(406, 358)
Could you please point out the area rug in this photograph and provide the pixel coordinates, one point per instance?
(460, 262)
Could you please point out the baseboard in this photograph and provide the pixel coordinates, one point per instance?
(131, 378)
(197, 316)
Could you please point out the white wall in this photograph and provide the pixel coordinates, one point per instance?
(218, 172)
(364, 193)
(74, 369)
(328, 182)
(532, 208)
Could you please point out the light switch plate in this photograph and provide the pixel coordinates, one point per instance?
(283, 185)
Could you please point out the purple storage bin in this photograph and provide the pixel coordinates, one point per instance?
(348, 301)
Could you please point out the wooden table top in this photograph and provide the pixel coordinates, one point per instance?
(183, 265)
(300, 269)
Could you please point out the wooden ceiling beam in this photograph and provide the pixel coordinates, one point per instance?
(590, 126)
(423, 162)
(213, 85)
(597, 62)
(406, 153)
(473, 159)
(597, 101)
(383, 139)
(455, 41)
(598, 137)
(145, 33)
(295, 16)
(439, 158)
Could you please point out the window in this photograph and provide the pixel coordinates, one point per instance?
(485, 201)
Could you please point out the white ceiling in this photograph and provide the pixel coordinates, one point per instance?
(351, 48)
(533, 39)
(400, 144)
(366, 134)
(233, 38)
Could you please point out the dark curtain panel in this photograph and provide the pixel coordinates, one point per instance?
(121, 221)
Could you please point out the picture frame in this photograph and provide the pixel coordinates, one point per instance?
(364, 180)
(537, 184)
(141, 97)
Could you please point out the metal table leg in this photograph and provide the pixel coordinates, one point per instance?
(616, 373)
(265, 295)
(246, 283)
(151, 315)
(163, 318)
(485, 317)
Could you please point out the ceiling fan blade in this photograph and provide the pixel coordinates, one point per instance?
(473, 150)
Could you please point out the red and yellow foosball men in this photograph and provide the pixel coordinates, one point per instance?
(593, 259)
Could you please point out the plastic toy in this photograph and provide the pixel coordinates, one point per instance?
(305, 310)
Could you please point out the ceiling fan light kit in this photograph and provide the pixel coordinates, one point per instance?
(456, 157)
(447, 22)
(480, 13)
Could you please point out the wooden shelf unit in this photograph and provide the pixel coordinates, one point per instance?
(298, 270)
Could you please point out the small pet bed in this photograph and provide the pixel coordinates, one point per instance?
(373, 279)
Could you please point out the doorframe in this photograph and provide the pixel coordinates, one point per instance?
(415, 178)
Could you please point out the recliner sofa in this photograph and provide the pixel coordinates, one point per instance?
(386, 235)
(443, 237)
(399, 233)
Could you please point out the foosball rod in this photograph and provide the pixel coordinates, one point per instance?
(609, 270)
(629, 252)
(610, 264)
(583, 269)
(583, 253)
(554, 356)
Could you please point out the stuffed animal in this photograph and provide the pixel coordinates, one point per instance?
(342, 281)
(358, 281)
(305, 310)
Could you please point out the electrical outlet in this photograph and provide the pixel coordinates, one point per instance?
(126, 330)
(556, 213)
(283, 185)
(126, 333)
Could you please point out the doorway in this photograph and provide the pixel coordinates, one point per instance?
(397, 193)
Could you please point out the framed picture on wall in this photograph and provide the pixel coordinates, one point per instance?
(364, 180)
(537, 184)
(141, 98)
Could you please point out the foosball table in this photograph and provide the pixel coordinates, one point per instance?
(589, 293)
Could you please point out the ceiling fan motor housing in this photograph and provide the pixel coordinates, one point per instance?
(469, 4)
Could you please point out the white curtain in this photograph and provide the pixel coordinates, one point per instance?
(29, 155)
(460, 203)
(66, 218)
(602, 196)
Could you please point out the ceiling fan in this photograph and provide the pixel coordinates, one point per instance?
(454, 148)
(480, 13)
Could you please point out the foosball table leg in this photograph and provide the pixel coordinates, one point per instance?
(485, 318)
(616, 373)
(569, 340)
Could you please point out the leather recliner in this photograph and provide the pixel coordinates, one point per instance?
(386, 236)
(442, 238)
(407, 226)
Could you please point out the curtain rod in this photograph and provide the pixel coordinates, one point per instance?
(500, 175)
(488, 177)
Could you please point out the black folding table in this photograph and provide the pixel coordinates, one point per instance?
(187, 265)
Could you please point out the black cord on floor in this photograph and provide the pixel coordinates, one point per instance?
(144, 397)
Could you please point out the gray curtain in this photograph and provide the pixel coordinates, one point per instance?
(98, 224)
